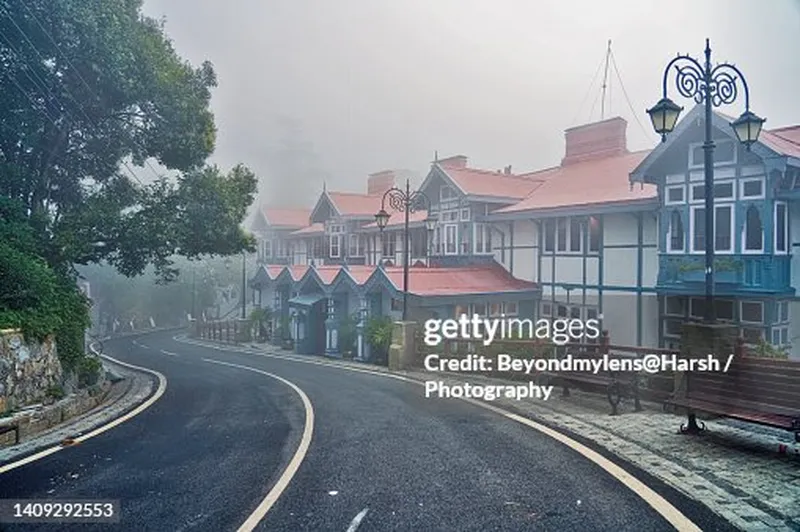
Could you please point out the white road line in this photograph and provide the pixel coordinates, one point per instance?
(170, 353)
(357, 520)
(669, 512)
(162, 387)
(291, 469)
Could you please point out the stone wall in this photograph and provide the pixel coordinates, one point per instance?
(27, 370)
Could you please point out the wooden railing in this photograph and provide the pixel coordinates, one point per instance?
(228, 331)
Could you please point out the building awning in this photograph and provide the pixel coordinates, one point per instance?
(306, 300)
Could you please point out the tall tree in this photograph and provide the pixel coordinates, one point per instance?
(89, 87)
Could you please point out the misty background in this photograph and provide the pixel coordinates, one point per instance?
(314, 91)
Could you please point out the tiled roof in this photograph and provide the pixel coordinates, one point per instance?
(290, 218)
(487, 279)
(785, 141)
(477, 182)
(424, 281)
(313, 229)
(593, 182)
(352, 204)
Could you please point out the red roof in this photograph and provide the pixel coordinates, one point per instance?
(588, 183)
(477, 182)
(293, 218)
(273, 271)
(327, 273)
(785, 141)
(297, 271)
(313, 229)
(360, 274)
(352, 204)
(424, 281)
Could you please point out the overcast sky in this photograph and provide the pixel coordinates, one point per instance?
(364, 85)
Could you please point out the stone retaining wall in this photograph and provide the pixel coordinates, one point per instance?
(28, 370)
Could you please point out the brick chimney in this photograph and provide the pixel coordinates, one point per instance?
(379, 182)
(456, 161)
(597, 140)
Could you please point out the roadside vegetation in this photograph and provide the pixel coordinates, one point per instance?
(94, 98)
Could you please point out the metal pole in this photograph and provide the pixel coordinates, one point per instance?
(194, 294)
(244, 287)
(406, 251)
(708, 164)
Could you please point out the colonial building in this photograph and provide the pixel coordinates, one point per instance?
(608, 234)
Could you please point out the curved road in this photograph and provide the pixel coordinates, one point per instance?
(382, 457)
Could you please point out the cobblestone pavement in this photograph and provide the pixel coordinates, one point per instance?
(734, 468)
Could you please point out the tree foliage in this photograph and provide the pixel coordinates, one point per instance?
(91, 87)
(87, 86)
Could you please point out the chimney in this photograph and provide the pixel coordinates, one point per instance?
(456, 161)
(507, 170)
(379, 182)
(595, 141)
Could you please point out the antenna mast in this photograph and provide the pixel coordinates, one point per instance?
(605, 83)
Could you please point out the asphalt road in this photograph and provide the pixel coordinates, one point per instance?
(208, 451)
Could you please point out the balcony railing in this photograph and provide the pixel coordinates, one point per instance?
(732, 273)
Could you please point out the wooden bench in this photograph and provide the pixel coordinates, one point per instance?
(10, 428)
(616, 384)
(758, 390)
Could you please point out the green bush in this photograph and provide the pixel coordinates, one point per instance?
(378, 333)
(88, 371)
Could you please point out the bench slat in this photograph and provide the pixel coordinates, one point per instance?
(774, 420)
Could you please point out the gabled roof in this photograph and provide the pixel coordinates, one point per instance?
(286, 217)
(782, 143)
(310, 230)
(790, 133)
(464, 280)
(357, 205)
(600, 181)
(490, 184)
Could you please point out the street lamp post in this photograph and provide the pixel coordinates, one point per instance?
(406, 202)
(712, 86)
(244, 286)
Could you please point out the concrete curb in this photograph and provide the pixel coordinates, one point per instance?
(118, 399)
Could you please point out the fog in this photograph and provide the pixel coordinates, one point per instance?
(312, 91)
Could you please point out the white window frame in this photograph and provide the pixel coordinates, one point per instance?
(337, 239)
(482, 232)
(745, 250)
(745, 180)
(732, 184)
(699, 164)
(451, 195)
(546, 309)
(691, 198)
(354, 238)
(670, 249)
(465, 214)
(786, 244)
(666, 306)
(448, 230)
(692, 216)
(268, 248)
(673, 187)
(570, 249)
(741, 313)
(511, 308)
(562, 222)
(599, 226)
(553, 223)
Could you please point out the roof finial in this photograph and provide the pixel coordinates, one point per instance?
(436, 156)
(324, 186)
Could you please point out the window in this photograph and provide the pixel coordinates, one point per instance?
(781, 228)
(698, 193)
(495, 309)
(676, 235)
(675, 306)
(268, 248)
(575, 313)
(752, 335)
(561, 234)
(545, 309)
(466, 246)
(752, 312)
(389, 242)
(753, 231)
(446, 193)
(483, 238)
(780, 336)
(675, 195)
(594, 234)
(723, 228)
(591, 314)
(356, 248)
(511, 308)
(724, 153)
(336, 241)
(724, 309)
(450, 239)
(724, 190)
(697, 307)
(549, 236)
(575, 235)
(673, 327)
(562, 311)
(464, 215)
(479, 309)
(752, 188)
(783, 311)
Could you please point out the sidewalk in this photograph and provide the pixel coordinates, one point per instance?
(749, 475)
